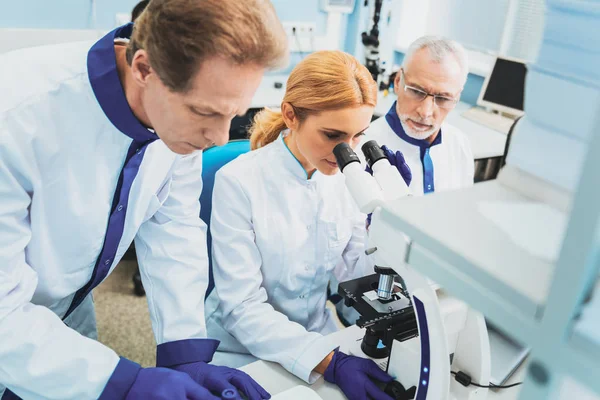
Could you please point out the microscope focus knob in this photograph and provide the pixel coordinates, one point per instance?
(396, 391)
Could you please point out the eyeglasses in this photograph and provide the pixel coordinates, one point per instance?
(419, 95)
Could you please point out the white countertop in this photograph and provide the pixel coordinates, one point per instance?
(275, 379)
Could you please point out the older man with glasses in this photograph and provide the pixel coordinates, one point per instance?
(428, 87)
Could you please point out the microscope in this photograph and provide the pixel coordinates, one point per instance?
(371, 42)
(423, 334)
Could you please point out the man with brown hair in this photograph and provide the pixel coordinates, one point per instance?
(100, 145)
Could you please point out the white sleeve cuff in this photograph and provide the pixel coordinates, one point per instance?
(314, 353)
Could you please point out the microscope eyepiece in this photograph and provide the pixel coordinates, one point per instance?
(344, 155)
(372, 152)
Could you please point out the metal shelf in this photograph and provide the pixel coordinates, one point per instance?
(466, 253)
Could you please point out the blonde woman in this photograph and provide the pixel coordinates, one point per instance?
(283, 224)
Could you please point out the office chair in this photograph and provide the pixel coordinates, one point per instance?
(212, 159)
(507, 145)
(488, 169)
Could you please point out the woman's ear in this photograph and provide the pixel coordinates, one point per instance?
(289, 116)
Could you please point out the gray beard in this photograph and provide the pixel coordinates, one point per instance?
(415, 134)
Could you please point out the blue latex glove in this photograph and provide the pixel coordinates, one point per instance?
(398, 161)
(164, 383)
(217, 379)
(148, 384)
(355, 375)
(130, 382)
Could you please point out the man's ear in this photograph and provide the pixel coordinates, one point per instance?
(457, 97)
(397, 82)
(289, 116)
(140, 67)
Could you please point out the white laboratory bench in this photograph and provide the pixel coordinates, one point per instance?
(275, 379)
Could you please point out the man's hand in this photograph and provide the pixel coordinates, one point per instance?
(164, 383)
(217, 379)
(398, 161)
(130, 382)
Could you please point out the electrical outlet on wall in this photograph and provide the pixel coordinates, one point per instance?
(301, 29)
(301, 36)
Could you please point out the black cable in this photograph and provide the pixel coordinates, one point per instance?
(298, 43)
(465, 380)
(505, 386)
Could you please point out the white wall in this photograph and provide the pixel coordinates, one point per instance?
(477, 24)
(12, 39)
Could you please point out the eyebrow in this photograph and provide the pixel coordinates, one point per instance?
(205, 110)
(209, 110)
(342, 132)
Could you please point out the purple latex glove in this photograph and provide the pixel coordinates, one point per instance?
(398, 161)
(217, 379)
(164, 383)
(355, 375)
(130, 382)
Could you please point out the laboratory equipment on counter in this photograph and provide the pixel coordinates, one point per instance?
(371, 42)
(422, 334)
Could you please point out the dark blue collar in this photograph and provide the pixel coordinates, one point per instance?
(104, 78)
(394, 122)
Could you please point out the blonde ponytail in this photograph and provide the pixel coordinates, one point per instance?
(266, 128)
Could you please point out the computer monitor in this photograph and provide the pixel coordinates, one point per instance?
(504, 88)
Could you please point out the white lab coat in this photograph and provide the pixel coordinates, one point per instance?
(453, 164)
(60, 161)
(277, 239)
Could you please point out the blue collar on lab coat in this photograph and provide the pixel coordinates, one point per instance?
(393, 121)
(104, 78)
(102, 72)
